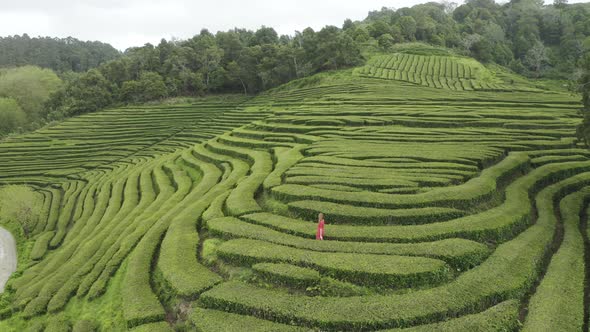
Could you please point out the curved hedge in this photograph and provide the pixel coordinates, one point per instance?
(459, 253)
(508, 273)
(285, 159)
(461, 196)
(287, 274)
(346, 214)
(41, 245)
(220, 321)
(365, 269)
(558, 301)
(500, 318)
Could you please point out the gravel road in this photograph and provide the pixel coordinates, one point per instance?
(7, 257)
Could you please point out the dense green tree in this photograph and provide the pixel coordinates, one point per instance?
(58, 54)
(31, 87)
(378, 28)
(265, 35)
(348, 25)
(386, 41)
(150, 86)
(336, 50)
(87, 93)
(231, 45)
(560, 3)
(408, 27)
(536, 57)
(12, 117)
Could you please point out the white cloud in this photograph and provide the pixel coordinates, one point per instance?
(125, 23)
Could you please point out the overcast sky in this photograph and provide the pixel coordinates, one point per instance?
(125, 23)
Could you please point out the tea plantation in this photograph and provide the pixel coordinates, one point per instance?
(455, 200)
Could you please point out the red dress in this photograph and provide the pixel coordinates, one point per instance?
(319, 235)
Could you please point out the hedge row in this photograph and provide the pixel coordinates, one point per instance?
(250, 143)
(508, 273)
(139, 194)
(461, 196)
(242, 199)
(169, 180)
(559, 152)
(287, 274)
(99, 256)
(337, 187)
(397, 165)
(31, 283)
(448, 152)
(52, 263)
(459, 253)
(402, 191)
(153, 327)
(237, 169)
(285, 159)
(499, 318)
(429, 179)
(219, 321)
(85, 325)
(363, 269)
(496, 224)
(268, 135)
(362, 183)
(558, 301)
(45, 210)
(56, 201)
(539, 161)
(66, 213)
(346, 214)
(41, 245)
(178, 253)
(215, 210)
(140, 304)
(378, 172)
(160, 197)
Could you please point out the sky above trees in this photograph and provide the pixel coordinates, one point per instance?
(136, 22)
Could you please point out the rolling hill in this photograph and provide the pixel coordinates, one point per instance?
(455, 197)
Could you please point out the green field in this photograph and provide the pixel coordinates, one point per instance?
(455, 200)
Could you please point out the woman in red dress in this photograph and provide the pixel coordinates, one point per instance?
(319, 235)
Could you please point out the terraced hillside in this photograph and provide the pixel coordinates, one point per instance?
(442, 72)
(446, 210)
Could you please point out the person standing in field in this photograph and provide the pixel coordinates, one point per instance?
(319, 235)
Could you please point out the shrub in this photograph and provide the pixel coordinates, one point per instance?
(366, 269)
(558, 301)
(287, 274)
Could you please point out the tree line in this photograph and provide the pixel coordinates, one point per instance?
(24, 92)
(235, 61)
(527, 36)
(57, 54)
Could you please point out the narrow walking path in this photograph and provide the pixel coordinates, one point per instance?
(7, 257)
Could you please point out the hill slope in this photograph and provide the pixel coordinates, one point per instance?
(439, 203)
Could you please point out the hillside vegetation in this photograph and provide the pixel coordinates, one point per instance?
(452, 206)
(57, 54)
(532, 39)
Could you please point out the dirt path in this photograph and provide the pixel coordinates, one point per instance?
(7, 257)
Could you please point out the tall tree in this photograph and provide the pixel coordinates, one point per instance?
(58, 54)
(536, 57)
(31, 87)
(12, 117)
